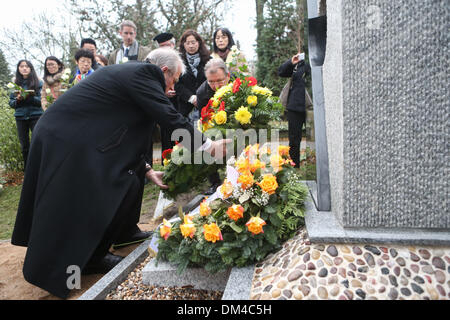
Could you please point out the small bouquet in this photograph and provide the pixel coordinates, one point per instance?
(262, 204)
(18, 90)
(65, 85)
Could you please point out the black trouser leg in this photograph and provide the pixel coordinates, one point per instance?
(126, 218)
(295, 125)
(23, 130)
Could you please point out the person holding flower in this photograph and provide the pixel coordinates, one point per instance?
(27, 103)
(225, 49)
(84, 59)
(53, 74)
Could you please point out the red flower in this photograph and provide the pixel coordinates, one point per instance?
(222, 106)
(251, 81)
(166, 153)
(236, 85)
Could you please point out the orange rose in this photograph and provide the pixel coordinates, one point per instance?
(165, 229)
(269, 183)
(212, 232)
(246, 180)
(235, 212)
(226, 189)
(205, 210)
(255, 225)
(188, 228)
(255, 165)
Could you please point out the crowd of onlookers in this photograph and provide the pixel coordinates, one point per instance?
(206, 71)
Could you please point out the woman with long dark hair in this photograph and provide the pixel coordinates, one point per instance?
(53, 72)
(28, 107)
(226, 49)
(195, 55)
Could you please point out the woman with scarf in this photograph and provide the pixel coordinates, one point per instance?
(225, 48)
(195, 55)
(27, 105)
(51, 90)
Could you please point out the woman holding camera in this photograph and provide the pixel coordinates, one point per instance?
(297, 68)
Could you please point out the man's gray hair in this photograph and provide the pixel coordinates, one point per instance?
(215, 64)
(128, 23)
(167, 57)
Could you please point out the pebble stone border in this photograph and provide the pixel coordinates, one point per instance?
(302, 270)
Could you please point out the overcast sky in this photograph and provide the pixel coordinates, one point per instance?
(240, 20)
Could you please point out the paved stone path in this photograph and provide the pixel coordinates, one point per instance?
(302, 270)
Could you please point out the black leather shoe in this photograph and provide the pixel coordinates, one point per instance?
(211, 190)
(138, 237)
(102, 266)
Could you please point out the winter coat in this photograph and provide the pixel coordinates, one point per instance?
(82, 163)
(29, 108)
(187, 87)
(296, 99)
(52, 83)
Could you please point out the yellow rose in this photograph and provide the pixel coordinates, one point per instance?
(166, 162)
(276, 161)
(216, 103)
(212, 232)
(205, 210)
(188, 228)
(220, 117)
(165, 229)
(257, 164)
(235, 212)
(283, 151)
(246, 181)
(242, 165)
(226, 189)
(269, 183)
(252, 101)
(255, 225)
(243, 115)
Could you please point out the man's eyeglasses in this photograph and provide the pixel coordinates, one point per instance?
(219, 82)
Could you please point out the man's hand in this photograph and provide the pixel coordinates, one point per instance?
(156, 178)
(171, 93)
(296, 59)
(218, 148)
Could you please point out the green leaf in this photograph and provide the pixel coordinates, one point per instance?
(236, 228)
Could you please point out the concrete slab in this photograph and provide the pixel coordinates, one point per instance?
(164, 274)
(239, 284)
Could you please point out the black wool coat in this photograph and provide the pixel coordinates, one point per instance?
(296, 100)
(81, 164)
(187, 87)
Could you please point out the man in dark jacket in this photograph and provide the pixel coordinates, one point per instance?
(217, 75)
(296, 110)
(83, 188)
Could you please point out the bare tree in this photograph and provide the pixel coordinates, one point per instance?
(42, 36)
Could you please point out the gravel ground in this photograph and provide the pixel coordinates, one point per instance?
(133, 289)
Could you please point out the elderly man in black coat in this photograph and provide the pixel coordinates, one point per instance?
(84, 180)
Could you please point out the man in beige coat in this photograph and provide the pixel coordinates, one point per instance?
(130, 48)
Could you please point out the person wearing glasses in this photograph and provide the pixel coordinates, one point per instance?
(217, 76)
(195, 56)
(53, 72)
(225, 49)
(84, 60)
